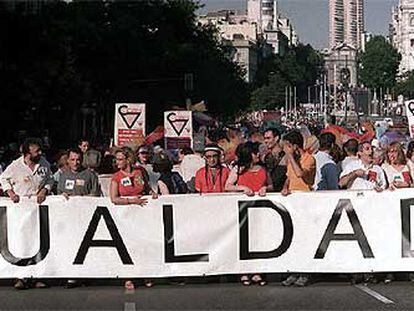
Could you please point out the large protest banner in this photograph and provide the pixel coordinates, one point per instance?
(178, 128)
(409, 108)
(190, 235)
(129, 123)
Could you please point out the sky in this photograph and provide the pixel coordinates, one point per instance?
(310, 17)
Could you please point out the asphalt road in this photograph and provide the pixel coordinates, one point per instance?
(217, 296)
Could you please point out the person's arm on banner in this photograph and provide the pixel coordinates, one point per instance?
(348, 178)
(268, 187)
(117, 200)
(286, 190)
(231, 185)
(6, 181)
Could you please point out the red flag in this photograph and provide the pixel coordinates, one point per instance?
(156, 134)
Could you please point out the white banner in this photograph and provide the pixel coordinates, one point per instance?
(194, 235)
(409, 108)
(178, 128)
(129, 123)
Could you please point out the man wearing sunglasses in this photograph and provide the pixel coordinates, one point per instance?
(212, 177)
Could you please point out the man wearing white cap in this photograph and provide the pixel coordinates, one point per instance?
(213, 176)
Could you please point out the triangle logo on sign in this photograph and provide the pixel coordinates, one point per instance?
(178, 125)
(411, 107)
(129, 118)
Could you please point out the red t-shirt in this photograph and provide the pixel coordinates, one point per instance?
(254, 180)
(132, 184)
(206, 185)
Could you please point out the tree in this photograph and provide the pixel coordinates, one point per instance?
(299, 67)
(102, 52)
(406, 86)
(379, 64)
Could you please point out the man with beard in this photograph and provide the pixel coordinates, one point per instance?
(28, 176)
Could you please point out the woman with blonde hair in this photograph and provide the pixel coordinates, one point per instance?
(396, 170)
(128, 185)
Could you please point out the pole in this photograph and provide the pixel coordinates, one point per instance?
(294, 102)
(380, 102)
(290, 102)
(321, 97)
(335, 87)
(346, 91)
(316, 104)
(286, 102)
(325, 109)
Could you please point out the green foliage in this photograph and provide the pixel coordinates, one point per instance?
(406, 86)
(104, 52)
(379, 64)
(300, 67)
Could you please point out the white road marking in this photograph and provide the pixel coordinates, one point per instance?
(374, 294)
(129, 306)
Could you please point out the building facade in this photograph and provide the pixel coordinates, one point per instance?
(244, 32)
(275, 30)
(346, 22)
(402, 34)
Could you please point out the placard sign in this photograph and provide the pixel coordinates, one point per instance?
(129, 123)
(409, 108)
(178, 129)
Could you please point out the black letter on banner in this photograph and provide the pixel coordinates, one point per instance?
(169, 246)
(102, 211)
(244, 206)
(358, 234)
(44, 238)
(406, 227)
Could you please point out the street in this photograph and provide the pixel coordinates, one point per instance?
(219, 296)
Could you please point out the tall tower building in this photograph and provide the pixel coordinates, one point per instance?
(402, 33)
(264, 13)
(346, 22)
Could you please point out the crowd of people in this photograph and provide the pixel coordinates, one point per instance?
(266, 161)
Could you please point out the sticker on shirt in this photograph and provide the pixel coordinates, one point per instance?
(126, 182)
(80, 182)
(42, 171)
(69, 184)
(406, 177)
(398, 178)
(372, 176)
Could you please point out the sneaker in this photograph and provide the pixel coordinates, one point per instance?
(302, 281)
(20, 284)
(290, 280)
(72, 284)
(39, 284)
(389, 278)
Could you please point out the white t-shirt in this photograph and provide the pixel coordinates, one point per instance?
(348, 160)
(24, 181)
(374, 176)
(190, 165)
(322, 158)
(392, 174)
